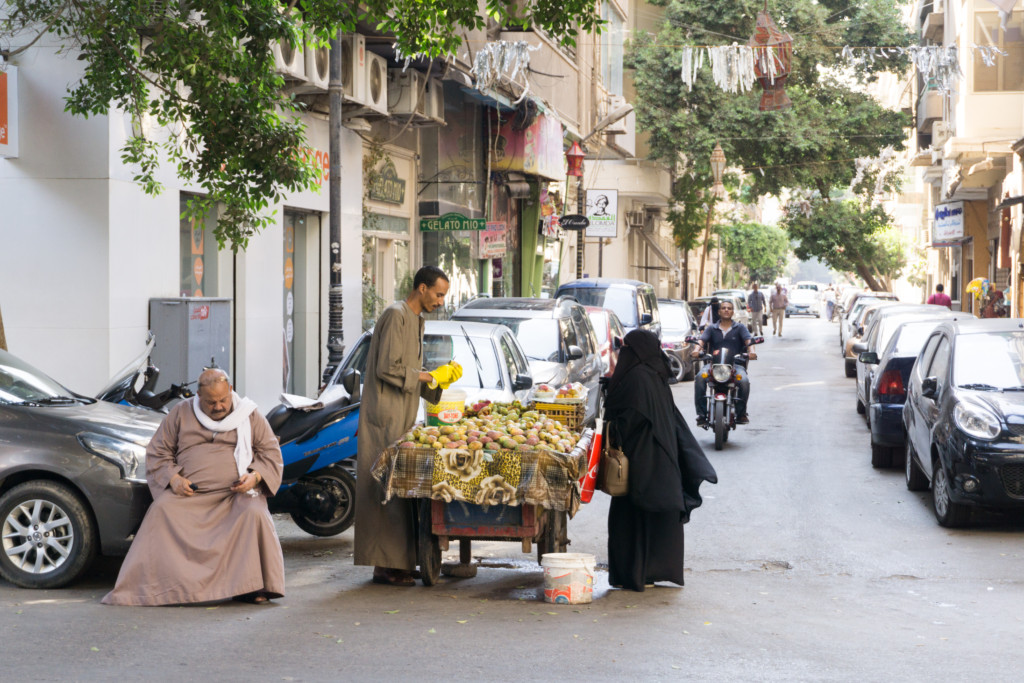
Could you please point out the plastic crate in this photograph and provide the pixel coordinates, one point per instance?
(569, 414)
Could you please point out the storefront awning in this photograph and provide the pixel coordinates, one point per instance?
(656, 248)
(1008, 202)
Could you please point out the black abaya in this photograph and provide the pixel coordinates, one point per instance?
(666, 468)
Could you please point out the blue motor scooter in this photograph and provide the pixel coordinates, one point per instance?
(318, 488)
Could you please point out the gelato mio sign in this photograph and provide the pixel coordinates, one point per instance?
(949, 224)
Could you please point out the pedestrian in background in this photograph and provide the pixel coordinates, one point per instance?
(710, 314)
(830, 302)
(940, 298)
(758, 306)
(666, 468)
(778, 302)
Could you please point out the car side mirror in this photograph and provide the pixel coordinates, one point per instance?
(859, 347)
(860, 330)
(352, 382)
(522, 382)
(616, 342)
(646, 318)
(575, 353)
(690, 339)
(930, 387)
(868, 357)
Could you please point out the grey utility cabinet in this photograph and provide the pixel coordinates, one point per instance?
(189, 332)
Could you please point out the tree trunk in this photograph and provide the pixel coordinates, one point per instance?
(869, 278)
(3, 337)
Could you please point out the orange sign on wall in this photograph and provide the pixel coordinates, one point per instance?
(8, 111)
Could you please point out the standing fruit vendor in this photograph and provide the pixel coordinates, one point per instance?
(392, 387)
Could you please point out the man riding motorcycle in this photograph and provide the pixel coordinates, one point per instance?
(737, 339)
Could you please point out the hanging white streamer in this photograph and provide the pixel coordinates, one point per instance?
(937, 64)
(732, 67)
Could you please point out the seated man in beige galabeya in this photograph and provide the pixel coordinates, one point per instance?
(208, 535)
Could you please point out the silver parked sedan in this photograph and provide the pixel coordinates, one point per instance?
(72, 477)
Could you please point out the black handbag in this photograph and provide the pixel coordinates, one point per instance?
(613, 471)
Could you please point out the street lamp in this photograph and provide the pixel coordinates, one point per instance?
(718, 190)
(574, 157)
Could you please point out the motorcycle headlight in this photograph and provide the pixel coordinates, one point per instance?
(128, 456)
(976, 421)
(721, 373)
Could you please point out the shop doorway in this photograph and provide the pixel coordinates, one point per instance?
(301, 331)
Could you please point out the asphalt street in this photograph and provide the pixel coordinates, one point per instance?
(804, 564)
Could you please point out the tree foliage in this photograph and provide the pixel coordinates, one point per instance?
(203, 71)
(761, 249)
(810, 146)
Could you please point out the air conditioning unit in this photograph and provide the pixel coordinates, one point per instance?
(406, 92)
(617, 127)
(289, 61)
(435, 99)
(318, 68)
(353, 68)
(941, 131)
(635, 219)
(376, 79)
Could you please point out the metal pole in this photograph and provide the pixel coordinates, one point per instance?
(579, 233)
(336, 305)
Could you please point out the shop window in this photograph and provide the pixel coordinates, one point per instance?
(300, 303)
(198, 255)
(613, 36)
(1007, 73)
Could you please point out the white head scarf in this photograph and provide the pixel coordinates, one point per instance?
(238, 420)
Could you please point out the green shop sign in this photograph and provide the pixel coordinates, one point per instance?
(387, 186)
(451, 221)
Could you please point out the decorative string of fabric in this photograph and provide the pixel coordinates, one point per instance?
(502, 59)
(883, 163)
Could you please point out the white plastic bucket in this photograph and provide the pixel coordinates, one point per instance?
(568, 578)
(448, 410)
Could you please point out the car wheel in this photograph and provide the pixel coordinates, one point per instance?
(48, 535)
(851, 367)
(881, 456)
(675, 366)
(916, 481)
(948, 513)
(861, 410)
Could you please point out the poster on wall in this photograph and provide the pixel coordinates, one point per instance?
(492, 240)
(603, 212)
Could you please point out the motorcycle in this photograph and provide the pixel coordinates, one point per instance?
(133, 385)
(318, 445)
(318, 487)
(722, 390)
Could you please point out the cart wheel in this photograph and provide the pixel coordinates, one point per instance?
(428, 546)
(553, 539)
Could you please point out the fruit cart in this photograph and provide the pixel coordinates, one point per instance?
(518, 493)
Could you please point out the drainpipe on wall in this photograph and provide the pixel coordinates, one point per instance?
(336, 305)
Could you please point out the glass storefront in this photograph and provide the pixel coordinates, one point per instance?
(198, 255)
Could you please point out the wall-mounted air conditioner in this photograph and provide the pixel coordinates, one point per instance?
(941, 131)
(376, 78)
(406, 92)
(289, 61)
(353, 68)
(635, 219)
(435, 99)
(318, 67)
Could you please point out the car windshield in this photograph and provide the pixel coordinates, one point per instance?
(539, 337)
(995, 359)
(912, 338)
(618, 299)
(673, 317)
(438, 349)
(22, 383)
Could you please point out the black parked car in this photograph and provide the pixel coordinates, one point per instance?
(964, 417)
(72, 477)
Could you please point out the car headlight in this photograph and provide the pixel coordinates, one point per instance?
(128, 456)
(976, 421)
(721, 373)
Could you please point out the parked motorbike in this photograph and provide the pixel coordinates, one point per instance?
(722, 389)
(133, 385)
(318, 487)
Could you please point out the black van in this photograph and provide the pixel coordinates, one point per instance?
(633, 301)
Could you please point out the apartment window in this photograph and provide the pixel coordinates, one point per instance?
(1007, 73)
(612, 38)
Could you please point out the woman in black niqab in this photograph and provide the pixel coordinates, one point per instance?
(666, 468)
